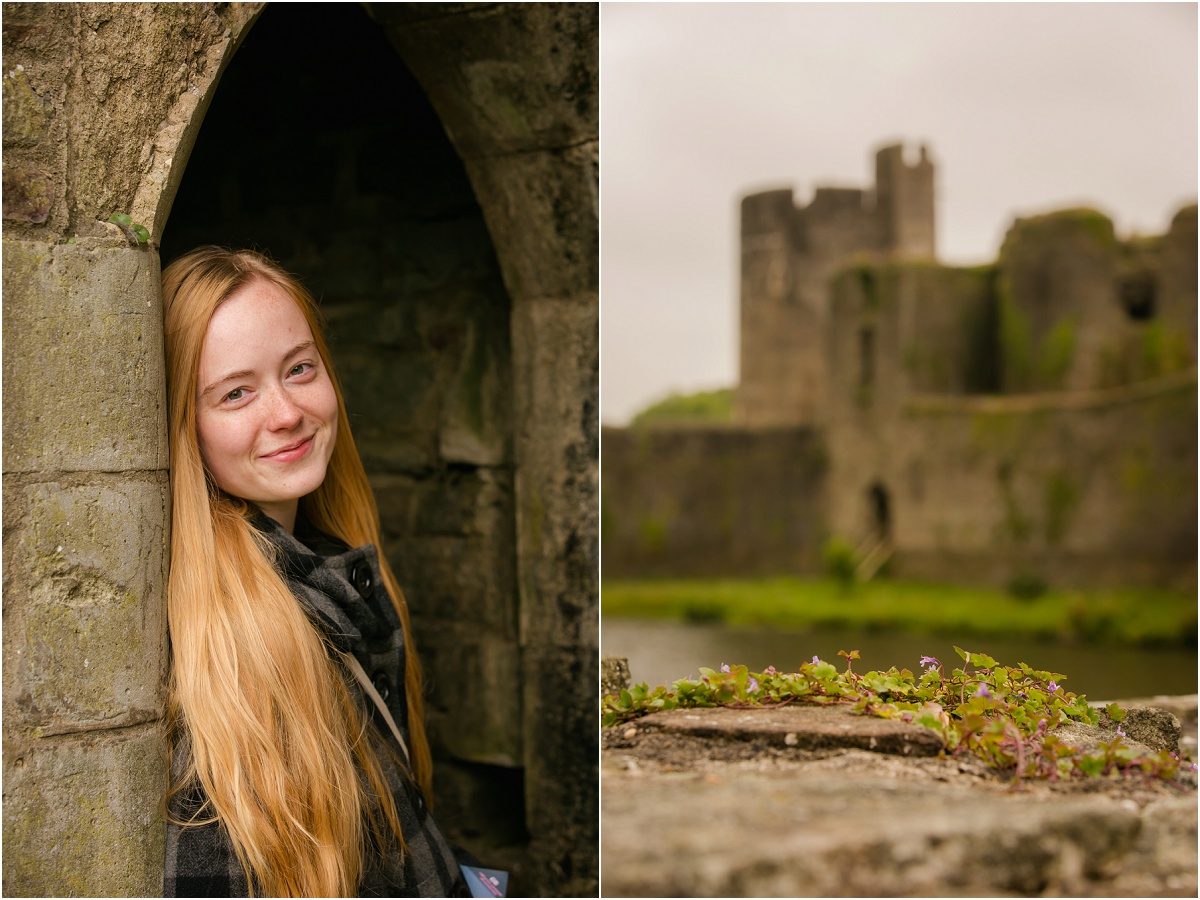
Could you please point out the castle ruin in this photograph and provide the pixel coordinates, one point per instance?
(1031, 418)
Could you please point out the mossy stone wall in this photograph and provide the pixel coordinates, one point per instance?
(1093, 490)
(703, 501)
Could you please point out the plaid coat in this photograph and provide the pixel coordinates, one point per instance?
(343, 594)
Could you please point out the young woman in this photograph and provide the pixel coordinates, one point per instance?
(299, 763)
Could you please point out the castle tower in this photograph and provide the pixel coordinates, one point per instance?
(904, 203)
(788, 258)
(770, 317)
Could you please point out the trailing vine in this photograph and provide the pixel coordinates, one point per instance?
(1003, 715)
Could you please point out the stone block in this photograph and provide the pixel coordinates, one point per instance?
(474, 679)
(27, 115)
(475, 419)
(85, 642)
(83, 360)
(28, 195)
(827, 832)
(800, 728)
(456, 579)
(542, 209)
(81, 816)
(614, 675)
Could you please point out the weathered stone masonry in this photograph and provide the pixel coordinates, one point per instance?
(102, 105)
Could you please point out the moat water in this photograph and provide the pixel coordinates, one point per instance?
(659, 652)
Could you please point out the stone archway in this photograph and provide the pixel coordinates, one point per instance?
(102, 105)
(362, 194)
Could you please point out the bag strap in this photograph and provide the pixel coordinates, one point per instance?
(361, 677)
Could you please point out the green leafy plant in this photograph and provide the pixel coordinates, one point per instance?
(135, 232)
(1003, 715)
(840, 560)
(1026, 586)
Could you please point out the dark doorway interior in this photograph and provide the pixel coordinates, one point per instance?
(321, 149)
(881, 515)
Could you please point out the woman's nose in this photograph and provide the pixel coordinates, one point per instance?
(283, 413)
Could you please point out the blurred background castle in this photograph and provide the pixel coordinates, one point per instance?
(1032, 419)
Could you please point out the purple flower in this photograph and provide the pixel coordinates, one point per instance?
(906, 716)
(1052, 687)
(815, 660)
(753, 684)
(1121, 732)
(724, 667)
(983, 691)
(930, 662)
(1194, 767)
(770, 670)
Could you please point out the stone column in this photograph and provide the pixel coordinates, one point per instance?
(101, 103)
(85, 517)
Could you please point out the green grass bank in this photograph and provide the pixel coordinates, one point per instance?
(1138, 617)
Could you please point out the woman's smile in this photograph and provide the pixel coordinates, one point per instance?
(291, 452)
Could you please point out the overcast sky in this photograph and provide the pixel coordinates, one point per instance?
(1026, 108)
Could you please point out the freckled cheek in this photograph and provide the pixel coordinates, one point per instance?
(223, 447)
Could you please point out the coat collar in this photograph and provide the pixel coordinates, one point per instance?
(340, 588)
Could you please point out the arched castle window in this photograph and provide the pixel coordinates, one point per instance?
(1137, 291)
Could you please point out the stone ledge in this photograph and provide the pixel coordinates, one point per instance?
(800, 726)
(815, 831)
(719, 802)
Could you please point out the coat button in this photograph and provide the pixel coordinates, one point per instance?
(382, 684)
(361, 577)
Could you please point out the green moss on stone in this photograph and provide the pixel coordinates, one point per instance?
(1062, 498)
(1163, 351)
(868, 281)
(703, 406)
(1015, 350)
(1017, 525)
(652, 532)
(1056, 353)
(471, 386)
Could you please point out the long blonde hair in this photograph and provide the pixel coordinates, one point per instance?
(277, 742)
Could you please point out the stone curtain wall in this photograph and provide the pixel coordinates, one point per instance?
(691, 502)
(1093, 489)
(95, 101)
(100, 118)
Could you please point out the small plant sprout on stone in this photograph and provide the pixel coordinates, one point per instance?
(137, 234)
(1005, 716)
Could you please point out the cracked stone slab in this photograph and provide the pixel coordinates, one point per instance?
(811, 832)
(803, 727)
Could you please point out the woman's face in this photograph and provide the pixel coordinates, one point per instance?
(266, 412)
